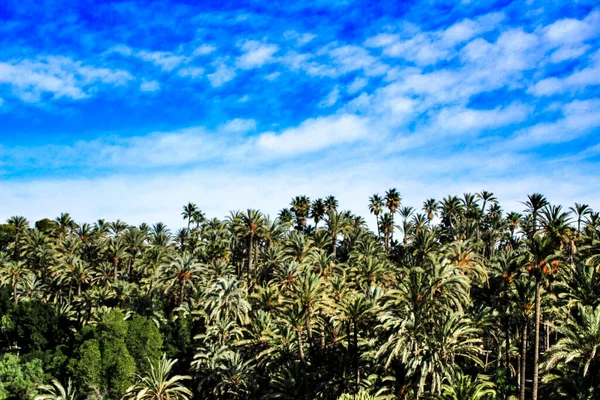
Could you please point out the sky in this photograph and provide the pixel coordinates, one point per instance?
(129, 110)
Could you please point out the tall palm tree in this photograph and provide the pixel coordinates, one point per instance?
(386, 222)
(180, 271)
(226, 301)
(335, 224)
(295, 316)
(541, 265)
(580, 210)
(317, 211)
(406, 212)
(189, 210)
(157, 384)
(300, 206)
(12, 272)
(392, 202)
(430, 206)
(20, 225)
(376, 205)
(252, 222)
(535, 203)
(331, 203)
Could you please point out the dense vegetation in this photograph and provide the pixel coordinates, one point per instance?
(455, 300)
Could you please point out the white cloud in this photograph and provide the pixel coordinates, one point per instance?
(191, 72)
(149, 86)
(357, 84)
(425, 48)
(272, 76)
(256, 54)
(165, 60)
(458, 119)
(580, 118)
(314, 135)
(58, 76)
(238, 125)
(204, 50)
(222, 75)
(331, 98)
(576, 81)
(572, 30)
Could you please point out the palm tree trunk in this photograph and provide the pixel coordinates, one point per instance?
(250, 248)
(182, 291)
(15, 292)
(536, 350)
(523, 359)
(300, 349)
(116, 270)
(309, 327)
(356, 359)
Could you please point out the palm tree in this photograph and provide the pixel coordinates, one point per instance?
(392, 202)
(56, 391)
(540, 265)
(21, 225)
(580, 210)
(356, 310)
(406, 213)
(252, 222)
(300, 206)
(535, 203)
(309, 293)
(12, 272)
(462, 387)
(188, 213)
(226, 301)
(376, 207)
(295, 317)
(335, 224)
(157, 384)
(331, 203)
(180, 270)
(386, 222)
(318, 211)
(430, 207)
(580, 341)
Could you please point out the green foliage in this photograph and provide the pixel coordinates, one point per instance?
(35, 326)
(255, 308)
(18, 379)
(144, 342)
(103, 361)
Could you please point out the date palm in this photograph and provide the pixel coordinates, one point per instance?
(580, 341)
(406, 212)
(12, 273)
(462, 387)
(56, 391)
(180, 271)
(580, 211)
(226, 300)
(158, 384)
(317, 211)
(20, 225)
(392, 202)
(376, 205)
(251, 225)
(331, 203)
(335, 223)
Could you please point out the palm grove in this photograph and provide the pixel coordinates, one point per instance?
(454, 300)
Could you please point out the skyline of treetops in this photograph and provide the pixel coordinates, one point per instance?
(455, 299)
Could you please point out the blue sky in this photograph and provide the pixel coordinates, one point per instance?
(131, 109)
